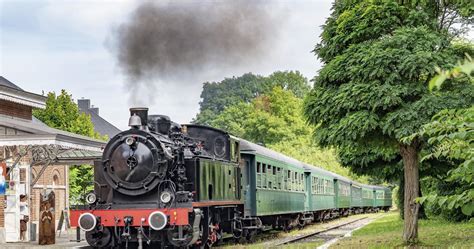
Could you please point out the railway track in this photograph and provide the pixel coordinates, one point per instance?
(306, 236)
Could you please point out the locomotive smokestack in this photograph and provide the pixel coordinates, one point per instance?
(141, 112)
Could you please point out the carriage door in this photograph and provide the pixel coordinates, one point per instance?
(307, 192)
(248, 184)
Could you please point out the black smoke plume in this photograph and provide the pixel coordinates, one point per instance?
(183, 39)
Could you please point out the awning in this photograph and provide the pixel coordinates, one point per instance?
(47, 146)
(78, 157)
(36, 133)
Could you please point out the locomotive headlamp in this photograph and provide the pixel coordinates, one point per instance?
(165, 197)
(91, 198)
(87, 222)
(157, 220)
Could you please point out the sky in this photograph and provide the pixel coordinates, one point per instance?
(64, 44)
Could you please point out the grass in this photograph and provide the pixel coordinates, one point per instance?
(386, 232)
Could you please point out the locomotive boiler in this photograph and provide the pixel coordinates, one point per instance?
(164, 185)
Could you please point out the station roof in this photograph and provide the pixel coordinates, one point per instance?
(7, 83)
(34, 132)
(13, 93)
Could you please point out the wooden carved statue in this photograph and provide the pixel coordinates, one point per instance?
(46, 221)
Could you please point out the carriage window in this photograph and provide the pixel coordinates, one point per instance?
(264, 168)
(274, 170)
(295, 181)
(321, 186)
(313, 185)
(301, 182)
(290, 180)
(280, 178)
(258, 167)
(316, 183)
(331, 187)
(236, 150)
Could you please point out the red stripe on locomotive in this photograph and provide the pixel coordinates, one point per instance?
(176, 216)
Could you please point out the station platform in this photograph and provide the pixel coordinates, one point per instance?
(67, 239)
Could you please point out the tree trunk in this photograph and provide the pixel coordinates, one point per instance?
(400, 202)
(401, 196)
(412, 184)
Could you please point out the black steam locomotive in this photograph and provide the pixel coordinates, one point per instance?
(163, 184)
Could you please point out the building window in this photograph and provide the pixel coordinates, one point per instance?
(56, 178)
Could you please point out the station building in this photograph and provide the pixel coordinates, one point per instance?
(34, 158)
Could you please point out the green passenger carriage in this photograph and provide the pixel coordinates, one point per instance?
(275, 184)
(368, 197)
(383, 198)
(321, 189)
(356, 197)
(283, 192)
(343, 194)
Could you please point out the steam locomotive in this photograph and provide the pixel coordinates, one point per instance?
(162, 184)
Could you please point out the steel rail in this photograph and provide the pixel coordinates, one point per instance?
(294, 239)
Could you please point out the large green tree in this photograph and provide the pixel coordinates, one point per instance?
(371, 92)
(62, 113)
(216, 96)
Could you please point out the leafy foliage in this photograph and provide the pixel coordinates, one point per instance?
(81, 183)
(216, 96)
(462, 70)
(62, 113)
(451, 134)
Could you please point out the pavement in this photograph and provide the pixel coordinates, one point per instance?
(346, 231)
(65, 240)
